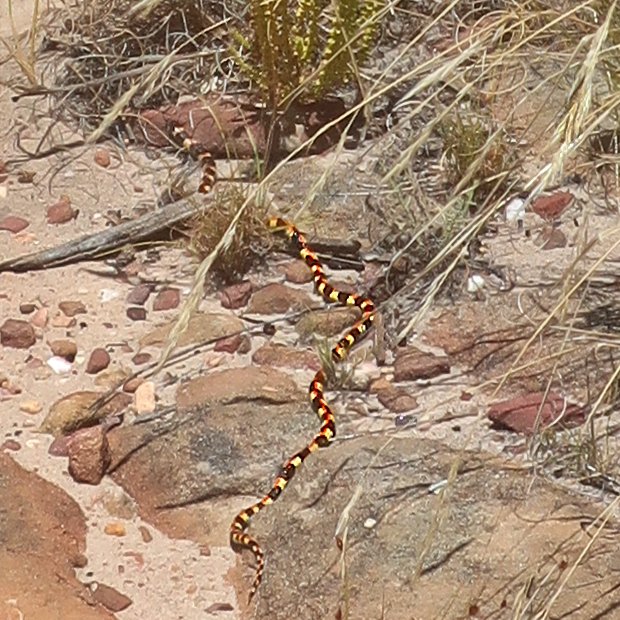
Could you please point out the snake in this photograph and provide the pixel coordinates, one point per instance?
(239, 538)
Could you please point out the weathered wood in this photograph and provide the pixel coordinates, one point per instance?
(105, 242)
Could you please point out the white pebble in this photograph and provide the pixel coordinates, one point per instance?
(515, 210)
(475, 284)
(107, 294)
(59, 365)
(370, 523)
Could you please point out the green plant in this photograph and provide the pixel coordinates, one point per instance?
(305, 47)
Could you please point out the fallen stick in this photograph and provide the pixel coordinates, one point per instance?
(105, 242)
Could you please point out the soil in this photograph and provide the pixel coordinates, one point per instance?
(420, 509)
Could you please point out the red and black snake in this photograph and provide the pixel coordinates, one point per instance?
(239, 539)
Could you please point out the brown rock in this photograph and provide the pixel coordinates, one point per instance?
(235, 384)
(13, 224)
(99, 360)
(277, 299)
(61, 212)
(66, 349)
(17, 334)
(246, 344)
(89, 455)
(229, 344)
(72, 308)
(327, 323)
(136, 314)
(39, 318)
(412, 364)
(141, 358)
(145, 533)
(236, 295)
(552, 238)
(72, 412)
(396, 399)
(298, 272)
(43, 539)
(10, 444)
(102, 157)
(215, 607)
(526, 414)
(281, 356)
(27, 308)
(549, 208)
(132, 384)
(203, 327)
(167, 299)
(139, 294)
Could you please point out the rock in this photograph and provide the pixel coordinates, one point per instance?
(145, 533)
(236, 296)
(277, 299)
(43, 539)
(229, 344)
(298, 272)
(202, 327)
(136, 314)
(72, 308)
(109, 597)
(61, 212)
(60, 320)
(551, 238)
(27, 308)
(13, 224)
(72, 412)
(111, 378)
(102, 157)
(115, 528)
(246, 344)
(99, 360)
(549, 208)
(412, 364)
(215, 607)
(167, 299)
(328, 323)
(234, 384)
(89, 455)
(10, 444)
(132, 384)
(31, 407)
(66, 349)
(59, 365)
(139, 294)
(144, 398)
(526, 414)
(17, 334)
(140, 359)
(281, 356)
(39, 318)
(396, 399)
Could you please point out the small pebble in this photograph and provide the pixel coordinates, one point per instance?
(402, 420)
(115, 529)
(31, 407)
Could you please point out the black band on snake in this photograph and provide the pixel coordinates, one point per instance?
(239, 539)
(197, 152)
